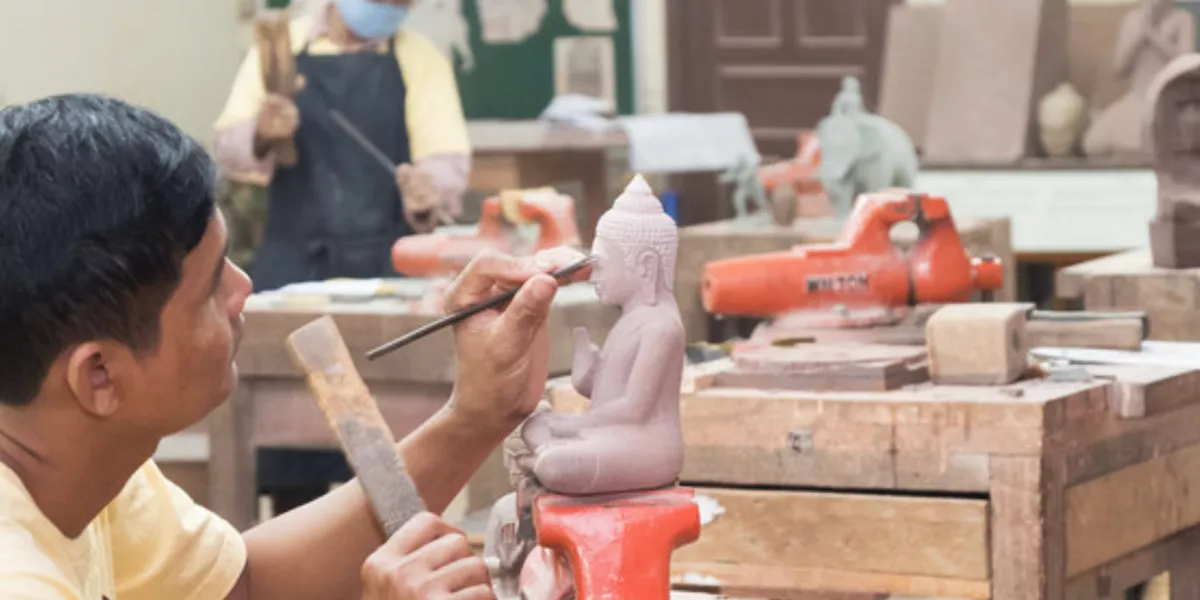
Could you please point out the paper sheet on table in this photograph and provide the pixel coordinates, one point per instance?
(510, 21)
(687, 142)
(591, 15)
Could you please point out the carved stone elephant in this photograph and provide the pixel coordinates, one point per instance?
(863, 153)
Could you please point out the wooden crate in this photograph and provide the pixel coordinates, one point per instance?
(700, 244)
(1130, 281)
(1033, 491)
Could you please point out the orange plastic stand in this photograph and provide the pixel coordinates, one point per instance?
(619, 546)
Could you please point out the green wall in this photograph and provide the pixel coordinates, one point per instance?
(516, 81)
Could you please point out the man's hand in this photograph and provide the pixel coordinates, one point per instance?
(503, 356)
(278, 119)
(422, 207)
(427, 558)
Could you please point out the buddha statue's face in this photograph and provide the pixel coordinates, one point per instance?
(615, 280)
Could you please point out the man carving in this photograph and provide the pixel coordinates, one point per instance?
(1151, 35)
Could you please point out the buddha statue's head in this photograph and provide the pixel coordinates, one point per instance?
(635, 249)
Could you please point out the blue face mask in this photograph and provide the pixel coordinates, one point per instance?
(372, 20)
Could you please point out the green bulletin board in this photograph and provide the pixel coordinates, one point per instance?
(516, 81)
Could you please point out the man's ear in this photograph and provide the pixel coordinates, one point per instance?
(90, 379)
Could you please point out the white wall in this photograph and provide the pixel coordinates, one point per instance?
(175, 56)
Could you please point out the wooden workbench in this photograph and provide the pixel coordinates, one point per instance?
(699, 244)
(523, 154)
(1130, 281)
(1032, 491)
(273, 408)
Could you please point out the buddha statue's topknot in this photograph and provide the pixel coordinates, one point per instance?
(637, 222)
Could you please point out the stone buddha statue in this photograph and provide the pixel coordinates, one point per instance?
(629, 438)
(1151, 35)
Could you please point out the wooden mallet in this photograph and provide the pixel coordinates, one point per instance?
(272, 36)
(319, 351)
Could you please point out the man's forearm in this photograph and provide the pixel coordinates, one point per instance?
(317, 551)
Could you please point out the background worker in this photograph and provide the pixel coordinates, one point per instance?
(336, 213)
(120, 316)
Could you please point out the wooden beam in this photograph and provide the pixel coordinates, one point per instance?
(1026, 528)
(922, 536)
(775, 582)
(1109, 581)
(1131, 508)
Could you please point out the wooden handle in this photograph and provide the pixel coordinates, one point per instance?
(1114, 334)
(273, 37)
(319, 351)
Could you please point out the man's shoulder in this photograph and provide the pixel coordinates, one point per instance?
(29, 566)
(416, 49)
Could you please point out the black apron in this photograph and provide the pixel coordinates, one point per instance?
(338, 212)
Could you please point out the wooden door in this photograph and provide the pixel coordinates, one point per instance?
(779, 62)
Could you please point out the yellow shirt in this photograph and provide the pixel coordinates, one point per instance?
(151, 543)
(432, 106)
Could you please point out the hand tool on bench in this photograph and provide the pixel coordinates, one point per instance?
(474, 309)
(988, 344)
(272, 34)
(862, 271)
(318, 350)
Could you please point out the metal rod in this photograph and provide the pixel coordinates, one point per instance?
(362, 140)
(465, 313)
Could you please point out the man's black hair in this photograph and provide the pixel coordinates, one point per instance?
(99, 203)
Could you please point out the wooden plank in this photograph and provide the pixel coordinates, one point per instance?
(1109, 581)
(1069, 282)
(842, 367)
(873, 470)
(994, 62)
(1143, 390)
(1095, 447)
(942, 537)
(1003, 420)
(232, 469)
(1131, 508)
(1026, 529)
(1120, 334)
(1129, 281)
(774, 582)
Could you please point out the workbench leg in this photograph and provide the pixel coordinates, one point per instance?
(1184, 573)
(1027, 528)
(232, 472)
